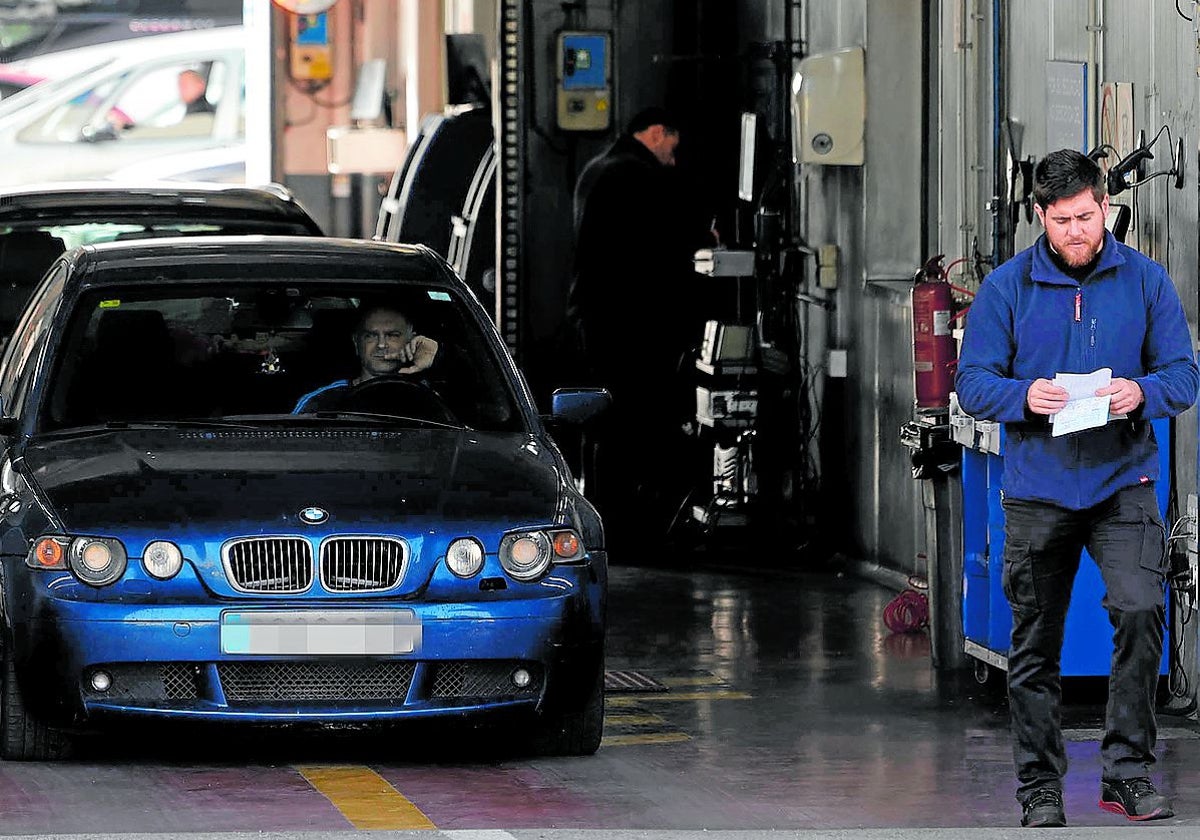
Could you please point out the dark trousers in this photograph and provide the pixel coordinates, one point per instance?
(1126, 538)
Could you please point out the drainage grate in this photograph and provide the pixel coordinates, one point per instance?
(619, 681)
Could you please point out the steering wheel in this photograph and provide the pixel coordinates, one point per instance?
(400, 395)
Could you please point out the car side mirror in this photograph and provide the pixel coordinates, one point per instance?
(578, 405)
(98, 133)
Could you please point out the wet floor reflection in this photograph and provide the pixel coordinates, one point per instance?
(841, 705)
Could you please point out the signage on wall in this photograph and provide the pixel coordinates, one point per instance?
(1066, 105)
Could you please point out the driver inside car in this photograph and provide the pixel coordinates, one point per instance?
(386, 346)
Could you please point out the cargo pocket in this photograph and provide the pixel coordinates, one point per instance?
(1017, 577)
(1154, 545)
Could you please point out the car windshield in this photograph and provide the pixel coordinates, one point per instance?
(251, 354)
(43, 90)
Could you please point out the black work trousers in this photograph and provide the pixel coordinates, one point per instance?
(1126, 538)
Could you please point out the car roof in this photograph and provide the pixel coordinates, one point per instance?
(59, 63)
(60, 203)
(188, 259)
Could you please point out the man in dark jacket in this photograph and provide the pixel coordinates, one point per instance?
(1078, 301)
(632, 301)
(633, 257)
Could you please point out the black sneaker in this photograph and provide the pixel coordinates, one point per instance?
(1137, 799)
(1043, 809)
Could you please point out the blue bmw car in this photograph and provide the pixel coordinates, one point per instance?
(224, 498)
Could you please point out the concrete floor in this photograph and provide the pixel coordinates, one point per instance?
(783, 707)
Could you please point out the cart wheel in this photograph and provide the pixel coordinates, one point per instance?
(982, 671)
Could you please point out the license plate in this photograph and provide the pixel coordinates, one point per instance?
(320, 632)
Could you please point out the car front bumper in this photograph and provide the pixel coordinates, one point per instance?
(174, 660)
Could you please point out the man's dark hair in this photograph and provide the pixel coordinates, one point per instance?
(1066, 173)
(654, 115)
(369, 306)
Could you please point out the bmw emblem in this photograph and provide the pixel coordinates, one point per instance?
(313, 515)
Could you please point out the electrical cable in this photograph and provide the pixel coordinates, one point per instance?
(1149, 178)
(1179, 12)
(1167, 245)
(1096, 155)
(1177, 679)
(312, 117)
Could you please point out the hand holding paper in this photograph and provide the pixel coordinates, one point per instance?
(1084, 410)
(1126, 396)
(1044, 397)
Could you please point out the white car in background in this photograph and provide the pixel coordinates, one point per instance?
(125, 111)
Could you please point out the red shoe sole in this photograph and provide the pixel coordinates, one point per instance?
(1116, 808)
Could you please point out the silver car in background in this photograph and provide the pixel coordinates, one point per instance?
(125, 110)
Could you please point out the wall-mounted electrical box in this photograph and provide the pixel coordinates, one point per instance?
(827, 266)
(829, 108)
(311, 55)
(584, 81)
(372, 149)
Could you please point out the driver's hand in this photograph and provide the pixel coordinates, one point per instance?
(418, 354)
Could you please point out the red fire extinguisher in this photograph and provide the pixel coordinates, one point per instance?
(934, 357)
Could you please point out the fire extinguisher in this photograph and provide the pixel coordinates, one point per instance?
(934, 356)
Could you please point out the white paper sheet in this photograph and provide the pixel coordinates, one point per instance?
(1084, 410)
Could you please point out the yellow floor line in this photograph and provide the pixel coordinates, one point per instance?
(365, 798)
(649, 738)
(675, 697)
(631, 720)
(679, 682)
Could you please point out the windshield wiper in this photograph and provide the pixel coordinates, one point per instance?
(383, 418)
(145, 425)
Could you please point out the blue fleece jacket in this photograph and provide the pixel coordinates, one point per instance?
(1023, 326)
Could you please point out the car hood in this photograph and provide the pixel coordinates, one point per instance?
(212, 483)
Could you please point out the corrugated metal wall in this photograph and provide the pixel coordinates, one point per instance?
(874, 215)
(1148, 45)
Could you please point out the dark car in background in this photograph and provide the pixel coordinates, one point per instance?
(182, 539)
(40, 222)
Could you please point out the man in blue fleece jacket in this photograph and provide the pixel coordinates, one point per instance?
(1076, 301)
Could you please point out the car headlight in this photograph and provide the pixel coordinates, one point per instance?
(162, 559)
(464, 557)
(97, 561)
(527, 555)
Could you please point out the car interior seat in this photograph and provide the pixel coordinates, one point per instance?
(331, 353)
(132, 373)
(25, 255)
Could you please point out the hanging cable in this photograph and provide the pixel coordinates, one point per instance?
(1182, 584)
(1179, 11)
